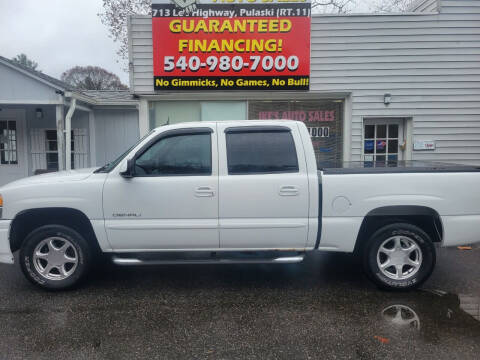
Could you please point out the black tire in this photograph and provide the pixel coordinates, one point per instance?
(81, 252)
(411, 233)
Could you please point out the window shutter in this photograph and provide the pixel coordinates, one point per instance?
(39, 157)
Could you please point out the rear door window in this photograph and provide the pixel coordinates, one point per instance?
(260, 151)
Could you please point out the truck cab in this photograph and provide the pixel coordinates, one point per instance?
(211, 186)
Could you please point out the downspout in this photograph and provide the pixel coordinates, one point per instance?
(68, 134)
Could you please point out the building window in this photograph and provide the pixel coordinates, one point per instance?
(8, 142)
(381, 142)
(173, 112)
(51, 150)
(323, 118)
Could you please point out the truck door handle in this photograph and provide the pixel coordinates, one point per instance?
(204, 191)
(289, 190)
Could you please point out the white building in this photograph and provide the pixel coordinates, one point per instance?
(427, 60)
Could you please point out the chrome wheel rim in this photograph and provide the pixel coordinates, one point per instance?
(55, 258)
(399, 257)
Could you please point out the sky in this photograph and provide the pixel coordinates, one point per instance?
(60, 34)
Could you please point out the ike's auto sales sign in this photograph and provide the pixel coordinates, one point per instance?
(231, 44)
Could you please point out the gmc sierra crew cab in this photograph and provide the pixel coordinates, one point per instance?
(236, 192)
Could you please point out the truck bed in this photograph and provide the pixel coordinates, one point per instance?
(369, 167)
(352, 191)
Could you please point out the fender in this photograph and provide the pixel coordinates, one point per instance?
(424, 217)
(27, 220)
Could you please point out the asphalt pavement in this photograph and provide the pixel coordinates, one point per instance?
(323, 308)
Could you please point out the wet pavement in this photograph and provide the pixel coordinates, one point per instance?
(322, 308)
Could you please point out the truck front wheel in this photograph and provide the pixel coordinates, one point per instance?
(399, 256)
(55, 257)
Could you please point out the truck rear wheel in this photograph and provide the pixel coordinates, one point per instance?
(55, 257)
(399, 256)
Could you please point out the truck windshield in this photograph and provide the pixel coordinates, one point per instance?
(111, 165)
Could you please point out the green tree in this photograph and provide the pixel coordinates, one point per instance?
(23, 60)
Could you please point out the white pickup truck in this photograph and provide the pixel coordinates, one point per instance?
(236, 191)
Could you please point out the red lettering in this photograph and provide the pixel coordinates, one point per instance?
(310, 115)
(302, 116)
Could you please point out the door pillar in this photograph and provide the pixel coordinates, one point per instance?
(60, 136)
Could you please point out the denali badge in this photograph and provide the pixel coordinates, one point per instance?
(126, 215)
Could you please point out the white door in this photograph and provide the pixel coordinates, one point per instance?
(171, 202)
(383, 140)
(13, 162)
(263, 187)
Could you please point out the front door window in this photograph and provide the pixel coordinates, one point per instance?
(179, 155)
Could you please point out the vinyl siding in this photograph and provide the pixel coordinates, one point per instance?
(116, 130)
(141, 57)
(429, 63)
(16, 86)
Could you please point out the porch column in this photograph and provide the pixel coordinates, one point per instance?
(60, 137)
(347, 129)
(92, 140)
(143, 121)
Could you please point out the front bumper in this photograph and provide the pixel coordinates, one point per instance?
(5, 252)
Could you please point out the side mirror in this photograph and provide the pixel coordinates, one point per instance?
(127, 169)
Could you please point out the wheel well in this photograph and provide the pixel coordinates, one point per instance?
(425, 218)
(27, 221)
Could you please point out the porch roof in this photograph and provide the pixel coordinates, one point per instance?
(110, 97)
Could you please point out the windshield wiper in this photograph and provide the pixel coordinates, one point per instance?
(102, 169)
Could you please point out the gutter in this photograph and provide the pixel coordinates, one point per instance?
(74, 96)
(68, 134)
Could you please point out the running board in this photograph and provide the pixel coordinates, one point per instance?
(279, 260)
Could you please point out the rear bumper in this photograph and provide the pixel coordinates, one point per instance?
(5, 252)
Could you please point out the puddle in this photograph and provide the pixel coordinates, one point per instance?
(471, 305)
(321, 309)
(432, 316)
(401, 316)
